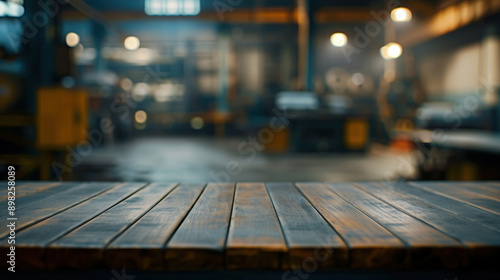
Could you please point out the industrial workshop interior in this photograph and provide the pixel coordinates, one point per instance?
(197, 124)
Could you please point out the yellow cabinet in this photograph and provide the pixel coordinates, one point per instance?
(356, 132)
(61, 117)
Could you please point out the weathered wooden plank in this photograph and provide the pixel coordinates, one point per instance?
(494, 184)
(370, 244)
(482, 188)
(311, 240)
(255, 239)
(54, 204)
(27, 188)
(429, 248)
(199, 241)
(141, 246)
(33, 193)
(472, 186)
(485, 202)
(33, 240)
(491, 185)
(449, 204)
(84, 247)
(432, 223)
(483, 243)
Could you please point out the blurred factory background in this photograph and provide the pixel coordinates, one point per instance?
(257, 90)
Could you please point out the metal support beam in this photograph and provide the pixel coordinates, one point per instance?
(304, 80)
(98, 33)
(224, 52)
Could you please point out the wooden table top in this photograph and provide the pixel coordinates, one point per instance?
(172, 226)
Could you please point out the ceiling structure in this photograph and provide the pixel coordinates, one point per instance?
(260, 11)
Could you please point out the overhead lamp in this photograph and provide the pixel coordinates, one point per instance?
(132, 43)
(391, 51)
(72, 39)
(401, 14)
(338, 39)
(140, 117)
(172, 7)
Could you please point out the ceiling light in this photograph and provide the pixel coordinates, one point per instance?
(132, 43)
(72, 39)
(391, 51)
(338, 39)
(401, 14)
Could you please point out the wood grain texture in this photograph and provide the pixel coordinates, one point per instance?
(84, 247)
(54, 204)
(141, 246)
(495, 185)
(370, 244)
(28, 188)
(299, 228)
(199, 242)
(483, 243)
(428, 247)
(32, 193)
(449, 204)
(485, 189)
(478, 199)
(255, 239)
(309, 237)
(37, 237)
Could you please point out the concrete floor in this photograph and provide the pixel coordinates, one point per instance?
(202, 160)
